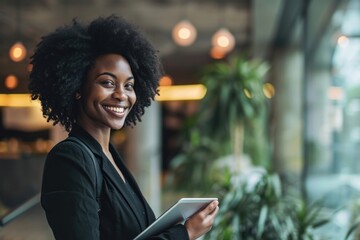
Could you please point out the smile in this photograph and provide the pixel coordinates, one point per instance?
(115, 109)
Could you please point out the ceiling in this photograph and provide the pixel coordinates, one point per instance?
(155, 17)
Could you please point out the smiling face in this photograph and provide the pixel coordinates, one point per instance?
(108, 94)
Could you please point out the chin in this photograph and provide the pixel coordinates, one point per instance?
(117, 127)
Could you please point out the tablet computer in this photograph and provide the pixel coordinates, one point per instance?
(180, 211)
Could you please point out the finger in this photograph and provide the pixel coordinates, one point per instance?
(211, 217)
(213, 213)
(212, 206)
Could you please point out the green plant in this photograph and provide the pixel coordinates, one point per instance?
(353, 230)
(234, 100)
(190, 168)
(309, 217)
(234, 108)
(263, 210)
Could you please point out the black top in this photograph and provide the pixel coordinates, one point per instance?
(69, 196)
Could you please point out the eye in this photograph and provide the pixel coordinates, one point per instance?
(107, 83)
(129, 85)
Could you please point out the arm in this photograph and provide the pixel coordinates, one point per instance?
(68, 194)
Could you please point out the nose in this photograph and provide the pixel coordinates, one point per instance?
(119, 93)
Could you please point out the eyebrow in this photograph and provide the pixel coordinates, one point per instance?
(112, 75)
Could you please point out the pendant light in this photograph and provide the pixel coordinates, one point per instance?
(222, 41)
(17, 51)
(184, 33)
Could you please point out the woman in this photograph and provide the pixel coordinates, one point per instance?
(91, 79)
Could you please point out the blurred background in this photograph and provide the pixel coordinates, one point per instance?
(260, 106)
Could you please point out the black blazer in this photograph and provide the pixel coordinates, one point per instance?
(69, 196)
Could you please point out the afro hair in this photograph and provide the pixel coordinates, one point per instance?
(62, 59)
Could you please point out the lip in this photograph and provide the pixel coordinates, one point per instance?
(117, 111)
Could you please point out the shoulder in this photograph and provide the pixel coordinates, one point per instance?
(66, 147)
(66, 152)
(65, 165)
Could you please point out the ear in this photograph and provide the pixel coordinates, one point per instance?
(77, 96)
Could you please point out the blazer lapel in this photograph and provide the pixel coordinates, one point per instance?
(150, 217)
(110, 173)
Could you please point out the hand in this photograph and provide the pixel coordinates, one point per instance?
(201, 222)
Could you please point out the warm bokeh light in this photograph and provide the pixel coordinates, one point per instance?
(17, 52)
(335, 93)
(181, 92)
(165, 81)
(247, 93)
(224, 40)
(11, 81)
(17, 100)
(269, 90)
(217, 53)
(184, 33)
(343, 40)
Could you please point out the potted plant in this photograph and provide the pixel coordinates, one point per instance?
(233, 108)
(259, 208)
(234, 104)
(254, 204)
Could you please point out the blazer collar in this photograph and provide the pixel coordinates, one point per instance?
(84, 136)
(109, 171)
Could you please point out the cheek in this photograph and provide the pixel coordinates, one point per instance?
(132, 99)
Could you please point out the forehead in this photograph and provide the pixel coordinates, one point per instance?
(111, 62)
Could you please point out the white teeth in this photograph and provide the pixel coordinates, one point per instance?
(116, 109)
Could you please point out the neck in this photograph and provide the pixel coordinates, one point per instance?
(101, 135)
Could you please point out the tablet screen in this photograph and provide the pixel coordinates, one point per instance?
(180, 211)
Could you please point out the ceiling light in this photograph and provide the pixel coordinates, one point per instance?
(184, 33)
(11, 81)
(17, 52)
(223, 39)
